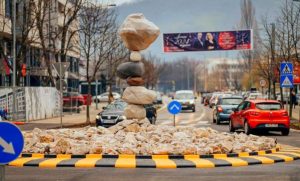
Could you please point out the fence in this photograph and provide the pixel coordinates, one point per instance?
(32, 103)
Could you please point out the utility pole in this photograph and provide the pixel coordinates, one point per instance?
(14, 58)
(188, 77)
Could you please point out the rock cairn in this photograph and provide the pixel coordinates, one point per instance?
(137, 34)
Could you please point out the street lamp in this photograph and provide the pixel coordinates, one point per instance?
(14, 13)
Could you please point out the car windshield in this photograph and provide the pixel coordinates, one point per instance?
(116, 106)
(184, 96)
(231, 101)
(268, 106)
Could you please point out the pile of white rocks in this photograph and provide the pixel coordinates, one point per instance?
(139, 137)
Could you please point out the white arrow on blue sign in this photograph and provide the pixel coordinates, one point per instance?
(174, 107)
(11, 142)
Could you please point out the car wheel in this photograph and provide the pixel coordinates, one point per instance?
(214, 119)
(247, 128)
(231, 128)
(285, 132)
(218, 121)
(194, 110)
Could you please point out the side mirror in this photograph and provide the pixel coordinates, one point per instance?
(234, 109)
(103, 108)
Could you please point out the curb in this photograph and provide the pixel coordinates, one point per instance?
(285, 154)
(295, 130)
(26, 155)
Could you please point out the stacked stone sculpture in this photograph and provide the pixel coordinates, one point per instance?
(137, 34)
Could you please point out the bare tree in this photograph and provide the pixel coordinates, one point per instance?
(101, 47)
(154, 66)
(248, 21)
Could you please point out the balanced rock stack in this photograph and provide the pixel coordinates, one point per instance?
(137, 34)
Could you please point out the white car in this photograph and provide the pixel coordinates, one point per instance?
(187, 99)
(255, 95)
(104, 97)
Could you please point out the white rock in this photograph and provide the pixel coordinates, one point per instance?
(135, 56)
(138, 95)
(137, 32)
(140, 137)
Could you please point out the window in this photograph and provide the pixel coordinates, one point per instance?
(268, 106)
(230, 101)
(240, 107)
(8, 8)
(246, 105)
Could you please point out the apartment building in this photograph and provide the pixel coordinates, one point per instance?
(36, 69)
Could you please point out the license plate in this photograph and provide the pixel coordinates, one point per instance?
(109, 121)
(271, 125)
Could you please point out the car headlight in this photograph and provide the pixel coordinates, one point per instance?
(97, 117)
(122, 118)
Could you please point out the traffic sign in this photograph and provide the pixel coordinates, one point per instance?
(287, 81)
(286, 68)
(262, 83)
(11, 142)
(64, 68)
(174, 107)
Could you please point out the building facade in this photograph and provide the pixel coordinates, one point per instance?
(54, 20)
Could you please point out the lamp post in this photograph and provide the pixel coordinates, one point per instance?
(14, 57)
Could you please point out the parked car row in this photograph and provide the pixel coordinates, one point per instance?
(249, 112)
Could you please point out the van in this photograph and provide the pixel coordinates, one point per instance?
(187, 99)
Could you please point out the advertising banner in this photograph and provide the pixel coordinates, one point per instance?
(208, 41)
(296, 73)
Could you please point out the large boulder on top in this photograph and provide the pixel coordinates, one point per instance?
(137, 32)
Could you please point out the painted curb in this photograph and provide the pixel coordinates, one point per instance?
(285, 154)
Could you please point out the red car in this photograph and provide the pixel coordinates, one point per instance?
(260, 114)
(73, 99)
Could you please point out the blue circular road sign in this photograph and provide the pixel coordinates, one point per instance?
(174, 107)
(11, 142)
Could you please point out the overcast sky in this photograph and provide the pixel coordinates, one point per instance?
(192, 16)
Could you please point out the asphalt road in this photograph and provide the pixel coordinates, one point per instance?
(201, 118)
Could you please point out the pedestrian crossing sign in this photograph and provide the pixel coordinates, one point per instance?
(287, 81)
(286, 68)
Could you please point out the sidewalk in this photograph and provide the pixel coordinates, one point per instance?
(295, 113)
(67, 119)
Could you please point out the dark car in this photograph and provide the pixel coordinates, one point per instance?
(158, 98)
(224, 108)
(114, 113)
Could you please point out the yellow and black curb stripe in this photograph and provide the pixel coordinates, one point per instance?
(158, 161)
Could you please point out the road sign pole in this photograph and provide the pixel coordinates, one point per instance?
(174, 123)
(2, 172)
(96, 94)
(14, 59)
(286, 102)
(61, 93)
